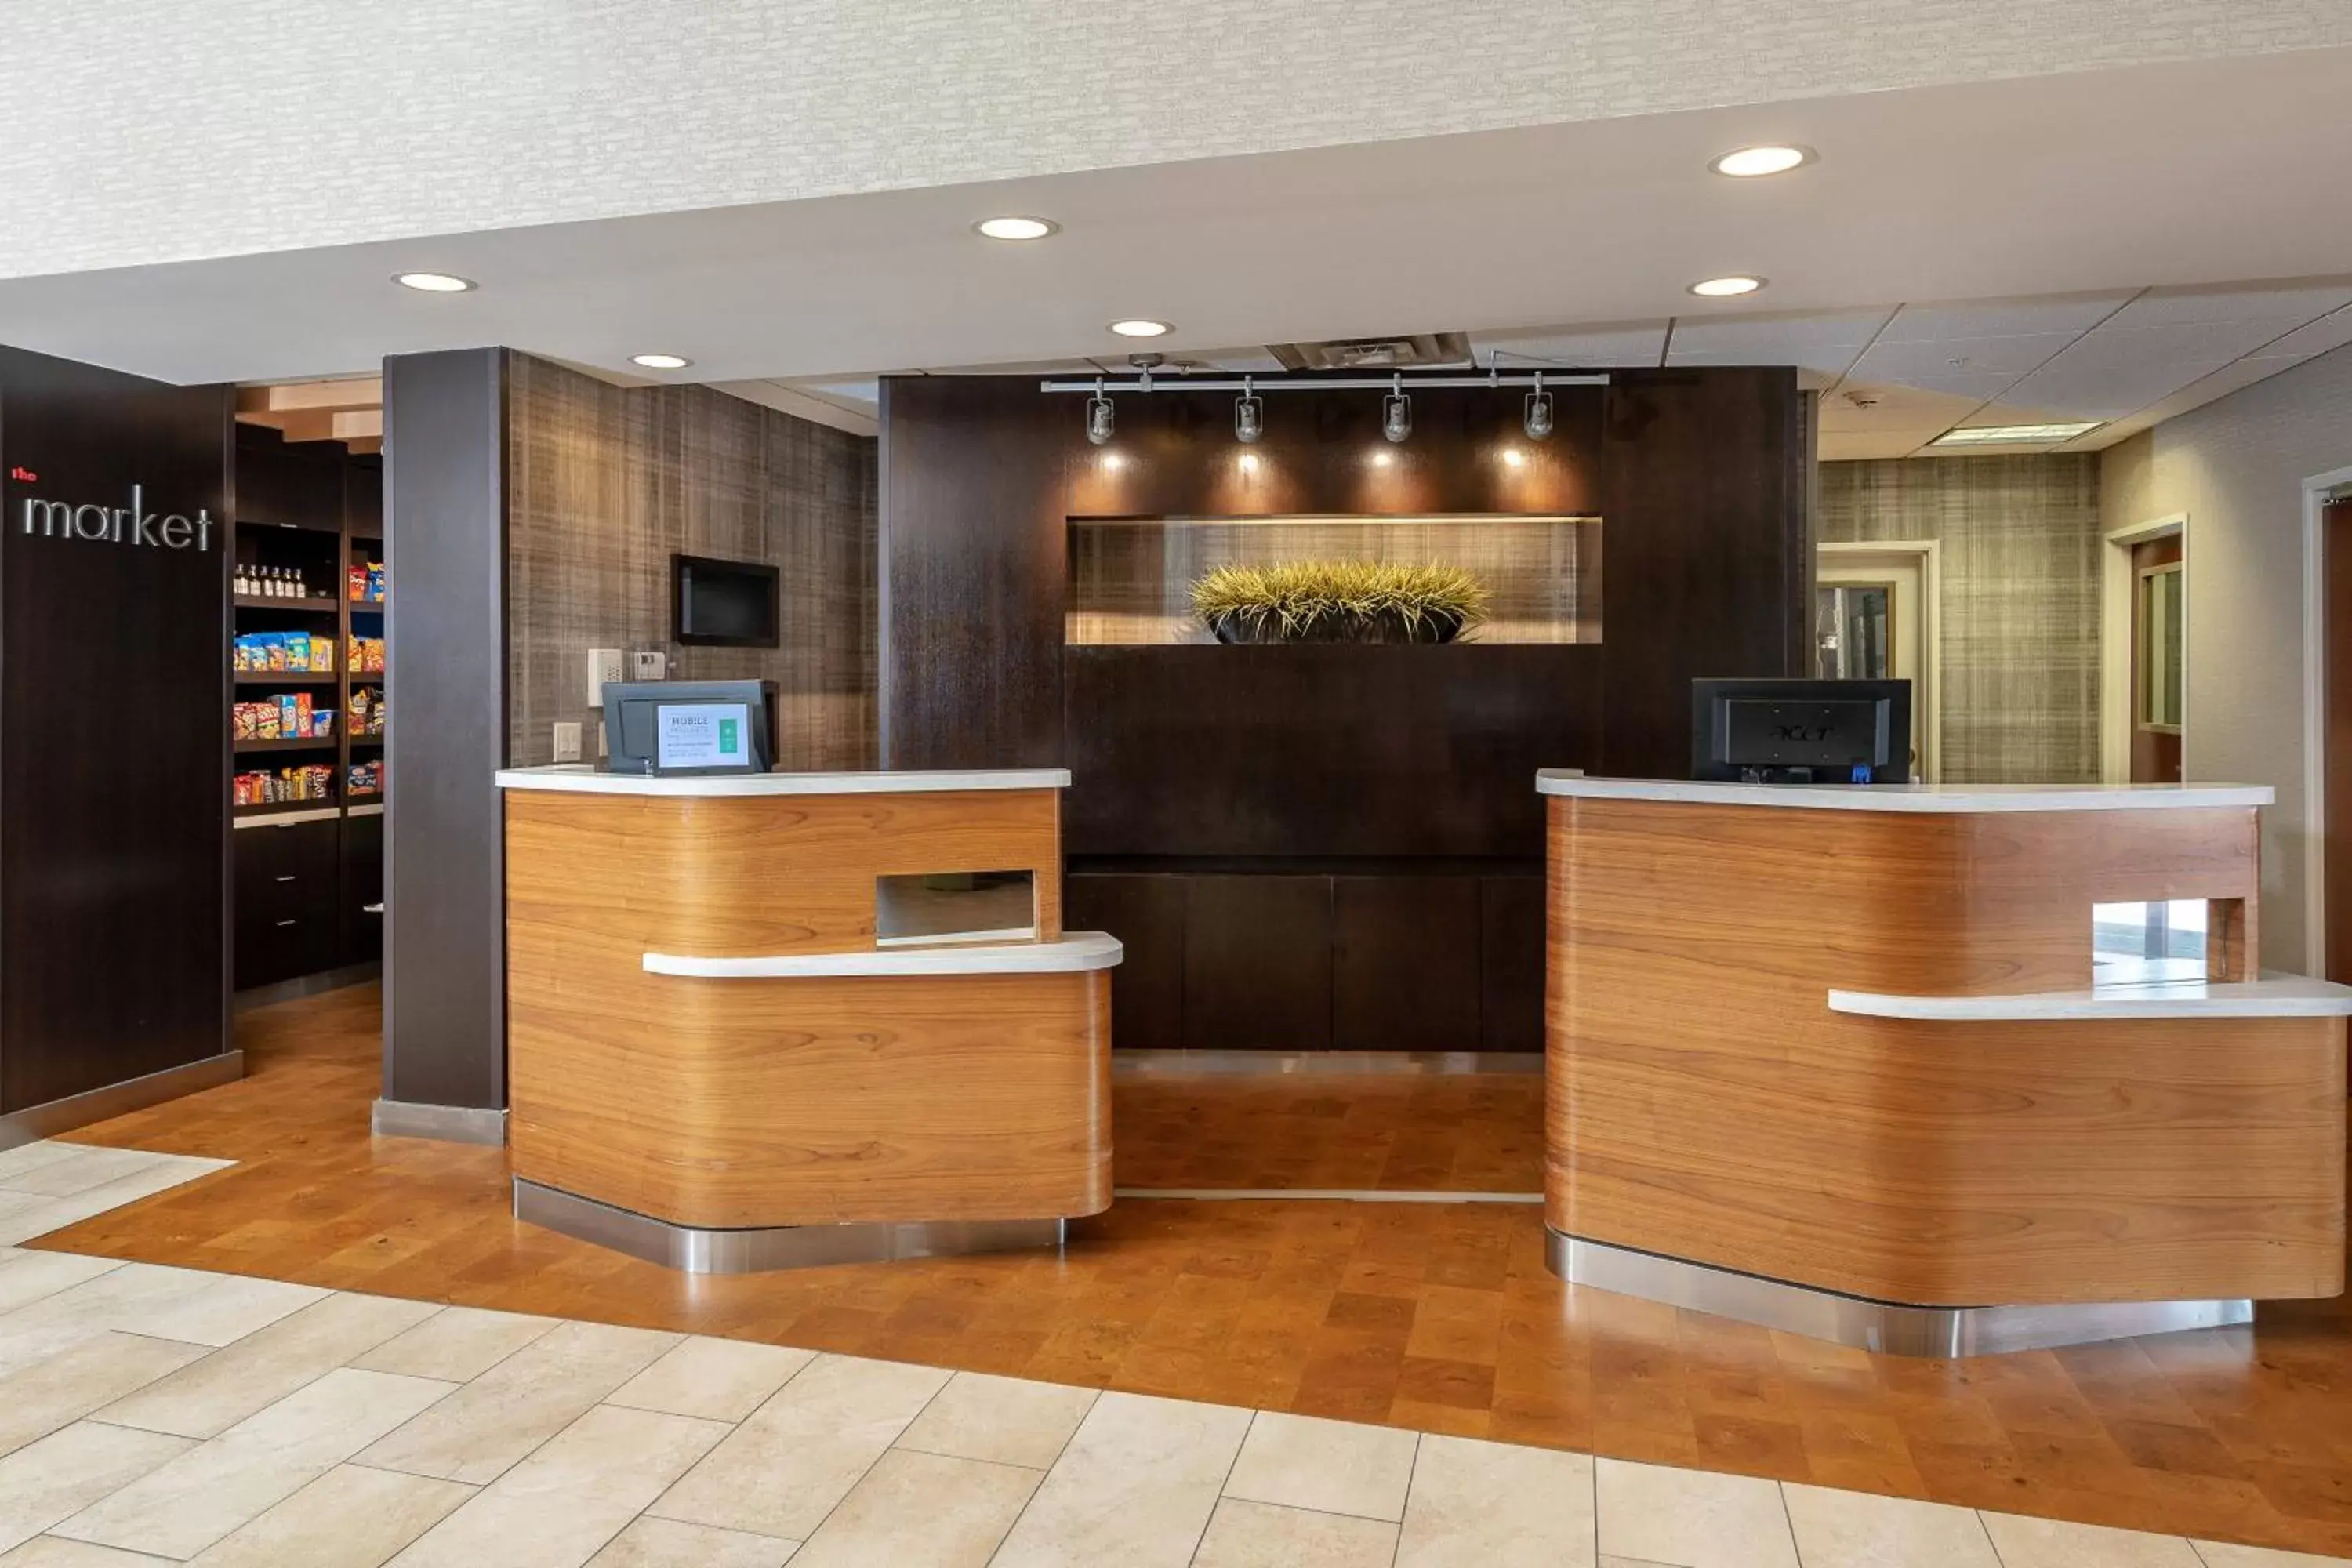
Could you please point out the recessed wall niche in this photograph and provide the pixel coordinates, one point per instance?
(1130, 579)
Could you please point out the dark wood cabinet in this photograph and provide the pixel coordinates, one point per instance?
(361, 893)
(1257, 963)
(289, 922)
(1511, 963)
(1404, 963)
(1147, 914)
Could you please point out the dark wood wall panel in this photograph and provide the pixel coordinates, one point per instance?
(113, 686)
(1257, 963)
(1709, 569)
(972, 546)
(1324, 750)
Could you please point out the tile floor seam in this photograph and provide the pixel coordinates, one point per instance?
(1227, 1479)
(943, 1454)
(887, 1448)
(1990, 1544)
(193, 1345)
(1788, 1522)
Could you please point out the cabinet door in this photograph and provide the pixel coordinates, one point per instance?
(1257, 963)
(1405, 964)
(286, 922)
(1147, 914)
(1511, 963)
(363, 889)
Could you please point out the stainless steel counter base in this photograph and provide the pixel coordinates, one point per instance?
(698, 1251)
(1888, 1327)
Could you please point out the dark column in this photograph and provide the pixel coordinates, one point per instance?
(443, 966)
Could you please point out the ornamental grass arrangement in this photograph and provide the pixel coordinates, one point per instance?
(1339, 601)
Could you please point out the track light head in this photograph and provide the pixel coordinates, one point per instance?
(1101, 417)
(1396, 412)
(1537, 421)
(1249, 414)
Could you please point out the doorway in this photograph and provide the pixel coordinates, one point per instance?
(2158, 638)
(2335, 677)
(1874, 619)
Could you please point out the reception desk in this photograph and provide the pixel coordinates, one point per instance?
(1833, 1059)
(793, 1018)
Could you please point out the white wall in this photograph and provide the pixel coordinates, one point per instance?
(135, 132)
(2236, 467)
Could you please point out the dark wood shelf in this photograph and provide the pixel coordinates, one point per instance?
(323, 742)
(291, 527)
(376, 739)
(287, 676)
(284, 808)
(369, 606)
(318, 605)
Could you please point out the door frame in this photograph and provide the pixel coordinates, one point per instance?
(2319, 491)
(2118, 588)
(1927, 692)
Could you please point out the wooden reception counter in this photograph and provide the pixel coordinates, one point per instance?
(794, 1018)
(1833, 1059)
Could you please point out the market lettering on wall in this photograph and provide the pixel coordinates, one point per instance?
(133, 525)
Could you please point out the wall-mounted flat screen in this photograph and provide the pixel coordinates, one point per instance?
(724, 604)
(690, 726)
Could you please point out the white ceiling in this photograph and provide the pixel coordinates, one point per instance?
(2089, 226)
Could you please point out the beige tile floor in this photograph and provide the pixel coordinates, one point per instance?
(157, 1415)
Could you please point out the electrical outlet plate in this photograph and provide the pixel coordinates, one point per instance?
(567, 742)
(604, 664)
(649, 664)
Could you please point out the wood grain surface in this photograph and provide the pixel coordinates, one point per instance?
(1704, 1103)
(1434, 1316)
(798, 1102)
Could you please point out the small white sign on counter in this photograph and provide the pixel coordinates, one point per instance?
(702, 735)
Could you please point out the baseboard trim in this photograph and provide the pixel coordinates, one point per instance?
(47, 1120)
(307, 986)
(446, 1123)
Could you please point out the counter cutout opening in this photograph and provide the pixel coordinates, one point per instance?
(932, 908)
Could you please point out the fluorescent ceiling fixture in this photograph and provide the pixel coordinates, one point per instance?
(1141, 329)
(433, 282)
(1748, 163)
(1725, 288)
(661, 361)
(1017, 227)
(2014, 435)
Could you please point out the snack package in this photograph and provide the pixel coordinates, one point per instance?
(375, 582)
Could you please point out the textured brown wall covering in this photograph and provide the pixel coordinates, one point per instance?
(2020, 611)
(604, 483)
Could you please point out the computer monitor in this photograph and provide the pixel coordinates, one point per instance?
(1801, 732)
(689, 727)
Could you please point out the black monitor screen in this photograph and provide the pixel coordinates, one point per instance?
(1801, 732)
(724, 604)
(690, 726)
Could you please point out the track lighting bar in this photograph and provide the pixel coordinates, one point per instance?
(1096, 387)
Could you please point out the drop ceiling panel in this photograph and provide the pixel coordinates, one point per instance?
(2330, 331)
(1978, 368)
(1621, 344)
(1819, 342)
(1860, 446)
(2292, 304)
(1858, 407)
(2067, 313)
(2112, 372)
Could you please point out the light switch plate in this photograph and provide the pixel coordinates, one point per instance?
(567, 742)
(603, 664)
(649, 664)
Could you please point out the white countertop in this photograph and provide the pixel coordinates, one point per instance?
(1079, 949)
(1953, 798)
(580, 778)
(2272, 996)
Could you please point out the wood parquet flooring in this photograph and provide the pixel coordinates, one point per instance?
(1438, 1316)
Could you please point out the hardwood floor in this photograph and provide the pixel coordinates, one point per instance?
(1435, 1316)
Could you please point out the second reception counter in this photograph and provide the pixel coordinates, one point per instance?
(1841, 1060)
(797, 1018)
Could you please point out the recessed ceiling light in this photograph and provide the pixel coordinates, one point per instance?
(1725, 288)
(2015, 435)
(433, 282)
(1748, 163)
(661, 361)
(1141, 329)
(1017, 227)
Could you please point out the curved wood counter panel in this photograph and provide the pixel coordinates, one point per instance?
(1847, 1039)
(707, 1032)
